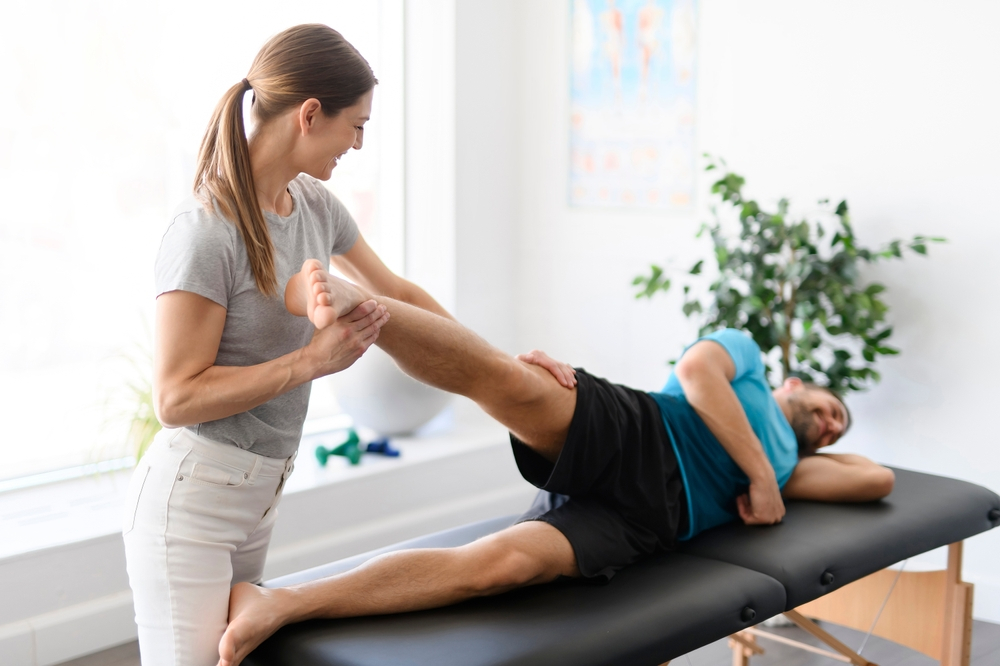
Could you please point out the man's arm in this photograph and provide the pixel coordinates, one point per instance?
(844, 477)
(705, 372)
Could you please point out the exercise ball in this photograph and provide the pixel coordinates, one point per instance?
(381, 397)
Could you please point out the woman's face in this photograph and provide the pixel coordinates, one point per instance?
(332, 137)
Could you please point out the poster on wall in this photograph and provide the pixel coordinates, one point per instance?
(632, 104)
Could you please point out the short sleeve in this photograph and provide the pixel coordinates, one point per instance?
(345, 228)
(197, 254)
(741, 348)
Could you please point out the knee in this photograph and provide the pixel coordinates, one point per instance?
(501, 568)
(525, 385)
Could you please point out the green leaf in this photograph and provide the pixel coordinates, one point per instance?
(776, 280)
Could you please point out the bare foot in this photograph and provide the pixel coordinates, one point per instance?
(252, 618)
(314, 293)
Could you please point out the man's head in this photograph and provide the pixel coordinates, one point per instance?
(817, 415)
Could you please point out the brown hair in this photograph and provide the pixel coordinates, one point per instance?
(303, 62)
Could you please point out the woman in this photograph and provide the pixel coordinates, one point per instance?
(232, 367)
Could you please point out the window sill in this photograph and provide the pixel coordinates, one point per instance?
(69, 512)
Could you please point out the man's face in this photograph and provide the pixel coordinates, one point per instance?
(818, 418)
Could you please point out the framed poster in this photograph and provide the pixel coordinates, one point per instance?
(632, 125)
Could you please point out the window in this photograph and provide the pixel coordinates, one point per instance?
(100, 123)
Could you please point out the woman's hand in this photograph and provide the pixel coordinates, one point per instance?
(563, 372)
(339, 345)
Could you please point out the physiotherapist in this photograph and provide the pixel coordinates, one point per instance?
(232, 367)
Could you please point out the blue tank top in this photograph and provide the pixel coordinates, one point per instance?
(712, 480)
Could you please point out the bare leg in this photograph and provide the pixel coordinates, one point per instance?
(525, 554)
(523, 397)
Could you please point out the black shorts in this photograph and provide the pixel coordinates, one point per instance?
(616, 491)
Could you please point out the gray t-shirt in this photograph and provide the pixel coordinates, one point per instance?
(204, 254)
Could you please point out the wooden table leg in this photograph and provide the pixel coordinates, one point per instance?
(744, 646)
(957, 638)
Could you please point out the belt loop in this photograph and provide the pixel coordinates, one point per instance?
(257, 464)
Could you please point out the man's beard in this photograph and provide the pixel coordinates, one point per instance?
(804, 426)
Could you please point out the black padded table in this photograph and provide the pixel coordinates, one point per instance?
(655, 610)
(647, 614)
(820, 547)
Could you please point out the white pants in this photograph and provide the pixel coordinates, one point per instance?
(198, 520)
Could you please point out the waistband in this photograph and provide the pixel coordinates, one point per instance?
(252, 464)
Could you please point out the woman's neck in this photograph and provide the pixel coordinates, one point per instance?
(272, 169)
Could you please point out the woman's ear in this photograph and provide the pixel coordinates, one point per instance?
(308, 114)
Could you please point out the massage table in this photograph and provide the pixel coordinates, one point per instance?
(722, 583)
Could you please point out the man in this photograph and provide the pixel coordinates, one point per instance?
(622, 473)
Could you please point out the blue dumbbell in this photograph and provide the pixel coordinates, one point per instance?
(382, 447)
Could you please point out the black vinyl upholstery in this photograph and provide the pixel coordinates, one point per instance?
(655, 610)
(647, 614)
(820, 547)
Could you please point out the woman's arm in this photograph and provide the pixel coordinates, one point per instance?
(844, 477)
(189, 388)
(361, 265)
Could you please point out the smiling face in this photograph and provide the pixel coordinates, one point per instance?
(817, 417)
(328, 138)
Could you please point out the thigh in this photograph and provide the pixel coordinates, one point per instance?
(530, 403)
(601, 539)
(528, 553)
(178, 551)
(249, 557)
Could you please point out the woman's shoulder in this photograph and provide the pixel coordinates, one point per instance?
(313, 192)
(194, 226)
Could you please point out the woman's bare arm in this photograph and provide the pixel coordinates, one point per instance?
(844, 477)
(189, 388)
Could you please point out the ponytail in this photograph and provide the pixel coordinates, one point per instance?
(310, 61)
(224, 180)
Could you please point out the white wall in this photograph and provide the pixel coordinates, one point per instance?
(892, 105)
(486, 162)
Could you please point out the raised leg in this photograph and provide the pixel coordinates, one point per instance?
(523, 397)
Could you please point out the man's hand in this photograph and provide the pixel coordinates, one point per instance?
(762, 505)
(563, 372)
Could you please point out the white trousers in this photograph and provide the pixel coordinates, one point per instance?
(198, 520)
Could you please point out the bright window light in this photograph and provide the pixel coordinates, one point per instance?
(100, 121)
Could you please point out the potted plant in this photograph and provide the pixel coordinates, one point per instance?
(794, 286)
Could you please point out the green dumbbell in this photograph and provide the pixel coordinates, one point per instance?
(350, 449)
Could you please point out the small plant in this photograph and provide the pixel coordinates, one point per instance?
(143, 425)
(793, 290)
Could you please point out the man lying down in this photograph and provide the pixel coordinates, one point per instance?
(622, 473)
